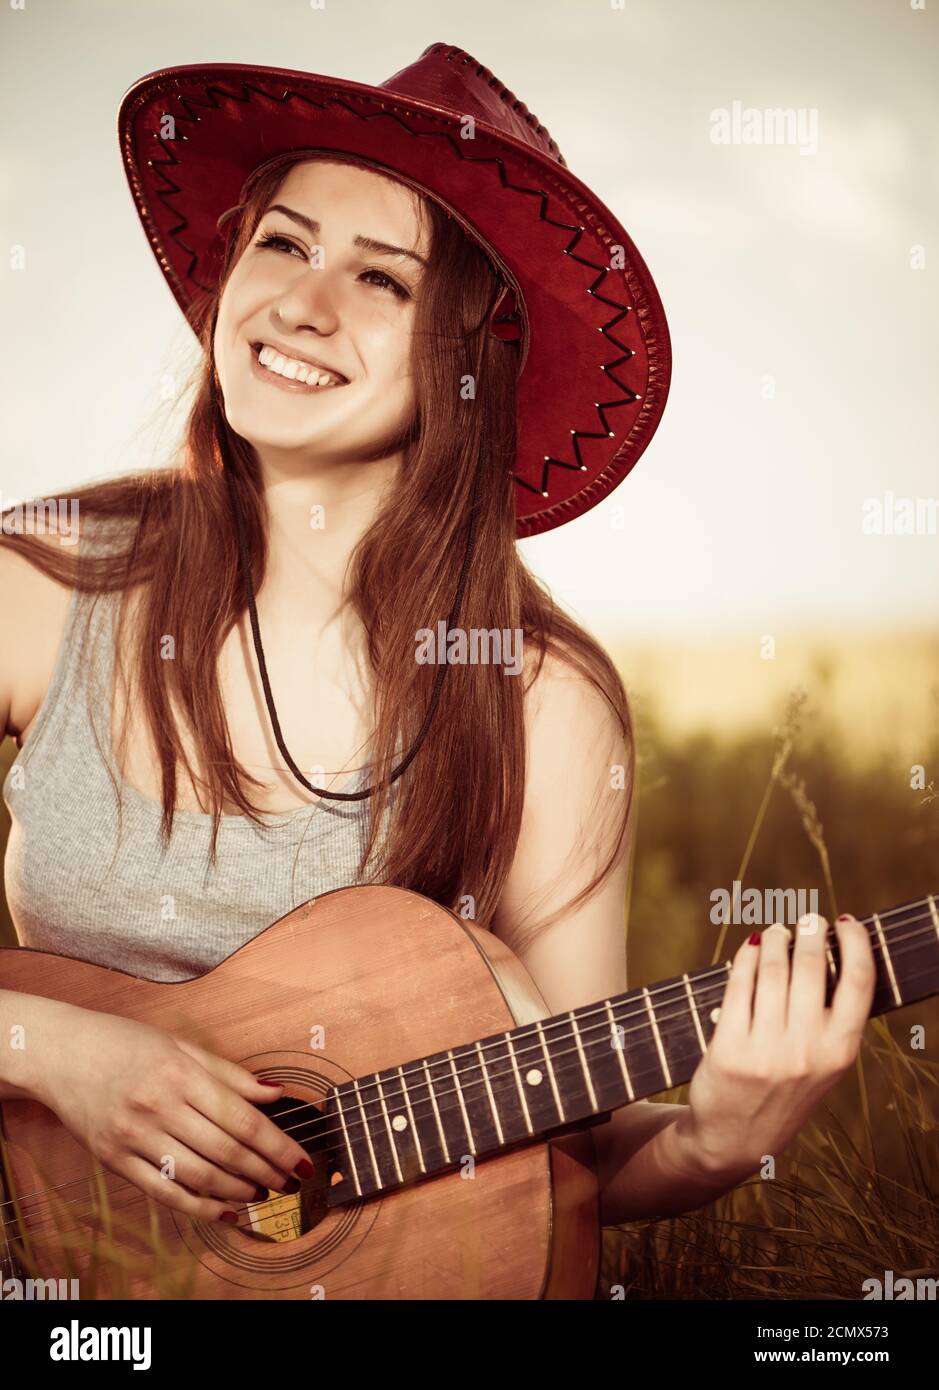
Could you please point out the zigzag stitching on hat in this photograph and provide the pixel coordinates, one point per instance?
(214, 92)
(629, 396)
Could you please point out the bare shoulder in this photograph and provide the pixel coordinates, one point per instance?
(563, 706)
(33, 608)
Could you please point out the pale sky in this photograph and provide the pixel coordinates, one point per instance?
(779, 271)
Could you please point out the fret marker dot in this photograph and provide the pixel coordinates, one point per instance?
(533, 1077)
(399, 1123)
(715, 1015)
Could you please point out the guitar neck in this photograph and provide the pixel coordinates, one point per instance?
(530, 1082)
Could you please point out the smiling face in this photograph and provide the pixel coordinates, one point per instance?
(319, 284)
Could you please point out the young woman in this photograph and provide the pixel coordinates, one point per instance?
(216, 693)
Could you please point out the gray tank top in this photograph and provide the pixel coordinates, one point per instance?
(85, 872)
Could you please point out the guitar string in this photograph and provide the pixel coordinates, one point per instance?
(558, 1022)
(258, 1208)
(683, 1015)
(674, 988)
(445, 1109)
(138, 1194)
(677, 989)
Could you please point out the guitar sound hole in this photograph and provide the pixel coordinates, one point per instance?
(284, 1218)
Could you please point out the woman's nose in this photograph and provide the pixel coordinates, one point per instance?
(310, 302)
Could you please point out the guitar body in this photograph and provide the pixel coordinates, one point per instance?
(388, 976)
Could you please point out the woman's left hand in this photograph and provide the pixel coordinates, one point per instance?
(776, 1048)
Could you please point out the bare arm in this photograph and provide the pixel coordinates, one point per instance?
(32, 619)
(27, 1022)
(573, 743)
(31, 613)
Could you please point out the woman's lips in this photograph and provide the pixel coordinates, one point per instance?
(284, 383)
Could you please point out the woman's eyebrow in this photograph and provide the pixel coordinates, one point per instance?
(365, 242)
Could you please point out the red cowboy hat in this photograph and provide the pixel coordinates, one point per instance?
(596, 355)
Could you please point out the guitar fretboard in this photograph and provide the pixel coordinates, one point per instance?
(435, 1113)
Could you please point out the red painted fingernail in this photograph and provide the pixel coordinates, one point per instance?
(230, 1216)
(260, 1194)
(754, 939)
(264, 1082)
(291, 1186)
(304, 1168)
(845, 917)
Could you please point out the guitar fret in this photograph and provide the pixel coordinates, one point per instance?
(368, 1134)
(568, 1068)
(524, 1107)
(693, 1009)
(453, 1111)
(337, 1094)
(391, 1138)
(479, 1088)
(413, 1119)
(518, 1081)
(703, 986)
(551, 1077)
(415, 1129)
(619, 1050)
(492, 1099)
(658, 1041)
(910, 967)
(636, 1046)
(887, 961)
(400, 1122)
(459, 1096)
(433, 1101)
(583, 1062)
(602, 1038)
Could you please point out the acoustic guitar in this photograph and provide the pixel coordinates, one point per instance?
(445, 1111)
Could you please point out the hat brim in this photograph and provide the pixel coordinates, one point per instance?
(595, 379)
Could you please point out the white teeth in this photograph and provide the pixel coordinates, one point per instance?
(293, 369)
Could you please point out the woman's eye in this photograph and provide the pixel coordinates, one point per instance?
(389, 284)
(275, 240)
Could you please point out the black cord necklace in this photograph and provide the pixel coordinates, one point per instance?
(262, 664)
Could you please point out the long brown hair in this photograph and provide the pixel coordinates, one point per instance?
(458, 807)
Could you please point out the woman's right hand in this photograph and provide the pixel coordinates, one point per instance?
(174, 1119)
